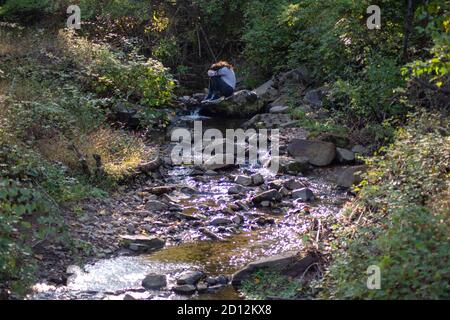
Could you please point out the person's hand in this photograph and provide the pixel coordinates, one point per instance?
(211, 73)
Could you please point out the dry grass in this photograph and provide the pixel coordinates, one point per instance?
(120, 151)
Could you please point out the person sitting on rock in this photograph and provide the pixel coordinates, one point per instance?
(222, 81)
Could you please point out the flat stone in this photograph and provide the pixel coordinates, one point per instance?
(279, 262)
(293, 184)
(240, 190)
(185, 289)
(220, 222)
(141, 244)
(158, 206)
(279, 109)
(271, 195)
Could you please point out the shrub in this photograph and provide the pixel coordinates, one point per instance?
(399, 221)
(124, 77)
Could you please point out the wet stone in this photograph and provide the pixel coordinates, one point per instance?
(154, 282)
(185, 289)
(190, 277)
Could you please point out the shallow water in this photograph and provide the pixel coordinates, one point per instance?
(116, 277)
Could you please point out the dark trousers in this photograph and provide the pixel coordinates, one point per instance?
(219, 88)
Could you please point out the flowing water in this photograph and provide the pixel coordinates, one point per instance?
(120, 276)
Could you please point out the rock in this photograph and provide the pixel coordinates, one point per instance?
(243, 103)
(238, 219)
(266, 91)
(296, 78)
(295, 166)
(190, 277)
(265, 204)
(279, 109)
(185, 289)
(315, 97)
(202, 287)
(159, 191)
(126, 115)
(222, 279)
(243, 180)
(319, 153)
(158, 206)
(338, 140)
(276, 184)
(293, 184)
(129, 297)
(350, 176)
(216, 288)
(220, 222)
(142, 244)
(279, 262)
(257, 179)
(281, 101)
(271, 195)
(154, 282)
(268, 121)
(304, 194)
(211, 281)
(359, 149)
(344, 155)
(284, 192)
(241, 190)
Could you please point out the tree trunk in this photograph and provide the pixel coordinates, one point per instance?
(408, 27)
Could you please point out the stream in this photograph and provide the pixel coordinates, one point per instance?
(278, 230)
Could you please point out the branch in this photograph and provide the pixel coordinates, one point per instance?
(432, 86)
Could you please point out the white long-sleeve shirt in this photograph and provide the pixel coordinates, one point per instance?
(227, 75)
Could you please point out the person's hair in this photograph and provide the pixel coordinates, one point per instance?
(221, 64)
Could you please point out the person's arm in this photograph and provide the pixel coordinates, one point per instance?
(212, 73)
(223, 72)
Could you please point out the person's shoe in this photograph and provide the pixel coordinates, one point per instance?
(215, 100)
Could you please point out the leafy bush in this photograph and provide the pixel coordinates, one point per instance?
(28, 8)
(124, 77)
(399, 222)
(263, 284)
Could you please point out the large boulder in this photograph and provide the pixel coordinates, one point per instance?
(351, 176)
(266, 91)
(154, 282)
(241, 104)
(282, 262)
(297, 78)
(319, 153)
(315, 97)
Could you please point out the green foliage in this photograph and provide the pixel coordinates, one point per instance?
(28, 8)
(403, 221)
(263, 284)
(130, 77)
(436, 69)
